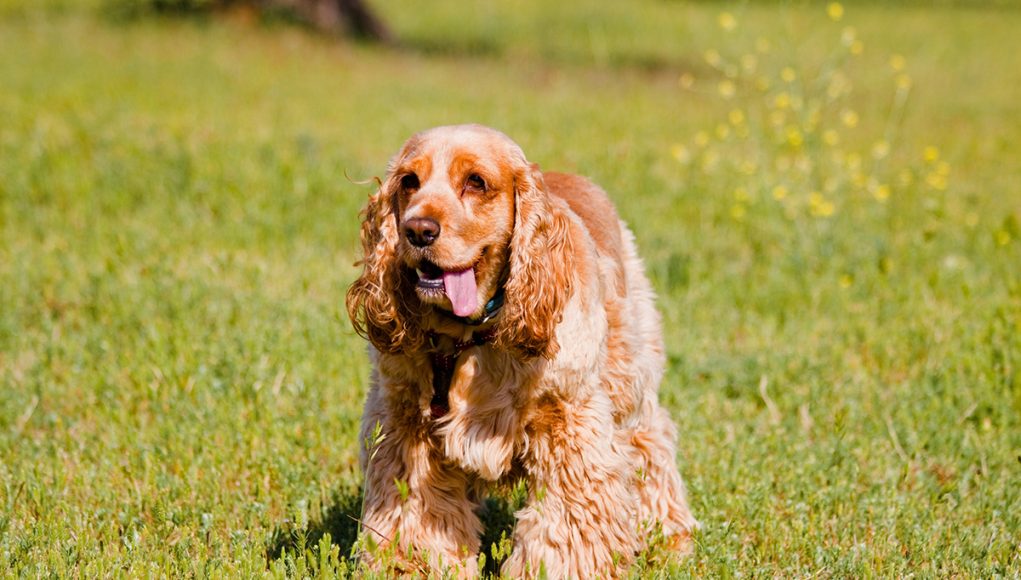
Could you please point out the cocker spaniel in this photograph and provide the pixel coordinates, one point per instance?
(513, 334)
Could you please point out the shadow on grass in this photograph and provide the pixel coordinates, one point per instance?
(205, 11)
(487, 49)
(340, 521)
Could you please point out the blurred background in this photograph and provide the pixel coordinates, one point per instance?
(827, 197)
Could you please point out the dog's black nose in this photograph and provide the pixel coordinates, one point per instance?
(421, 232)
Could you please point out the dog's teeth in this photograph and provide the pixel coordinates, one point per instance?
(420, 273)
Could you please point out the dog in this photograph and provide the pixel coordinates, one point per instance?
(513, 335)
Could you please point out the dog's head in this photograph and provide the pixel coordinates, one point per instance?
(461, 215)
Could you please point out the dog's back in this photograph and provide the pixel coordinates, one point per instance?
(635, 357)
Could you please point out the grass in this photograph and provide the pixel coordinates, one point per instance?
(180, 389)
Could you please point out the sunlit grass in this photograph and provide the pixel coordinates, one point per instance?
(836, 249)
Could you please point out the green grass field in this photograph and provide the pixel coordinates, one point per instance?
(839, 270)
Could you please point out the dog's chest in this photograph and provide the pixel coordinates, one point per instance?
(481, 426)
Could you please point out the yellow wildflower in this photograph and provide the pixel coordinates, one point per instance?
(788, 75)
(897, 62)
(971, 219)
(686, 80)
(835, 10)
(722, 131)
(736, 117)
(709, 161)
(845, 281)
(943, 169)
(849, 118)
(741, 194)
(782, 100)
(727, 89)
(1002, 237)
(882, 192)
(779, 192)
(712, 56)
(930, 154)
(727, 21)
(903, 82)
(820, 206)
(681, 153)
(839, 84)
(848, 36)
(881, 149)
(701, 138)
(830, 137)
(738, 211)
(857, 47)
(936, 181)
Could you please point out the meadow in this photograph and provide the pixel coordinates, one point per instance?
(827, 197)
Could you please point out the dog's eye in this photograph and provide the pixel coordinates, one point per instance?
(475, 182)
(409, 182)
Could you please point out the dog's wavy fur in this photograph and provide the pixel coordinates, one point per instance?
(565, 395)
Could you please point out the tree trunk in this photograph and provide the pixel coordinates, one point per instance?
(354, 16)
(363, 22)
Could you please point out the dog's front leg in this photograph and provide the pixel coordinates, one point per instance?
(580, 521)
(415, 501)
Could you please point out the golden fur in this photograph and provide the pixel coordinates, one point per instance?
(564, 394)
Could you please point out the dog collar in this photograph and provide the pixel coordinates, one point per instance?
(491, 310)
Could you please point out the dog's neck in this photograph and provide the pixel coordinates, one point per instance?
(443, 353)
(443, 357)
(443, 362)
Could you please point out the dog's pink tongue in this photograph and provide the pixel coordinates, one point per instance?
(461, 290)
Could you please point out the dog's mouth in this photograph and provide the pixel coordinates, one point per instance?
(458, 285)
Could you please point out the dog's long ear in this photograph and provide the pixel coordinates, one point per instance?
(381, 303)
(541, 263)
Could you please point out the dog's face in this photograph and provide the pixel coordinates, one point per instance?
(461, 214)
(455, 214)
